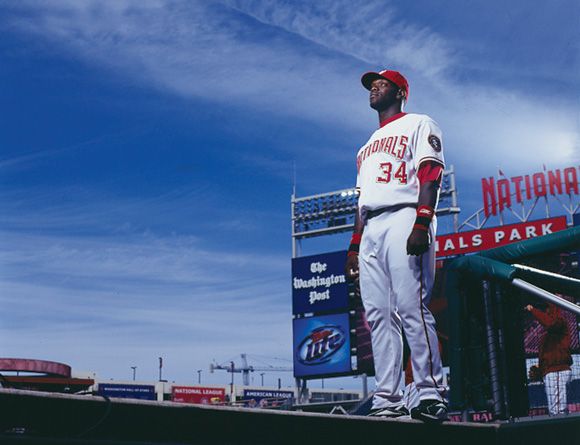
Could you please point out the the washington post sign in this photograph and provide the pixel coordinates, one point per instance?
(319, 283)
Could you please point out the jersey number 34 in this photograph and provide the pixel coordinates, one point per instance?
(387, 170)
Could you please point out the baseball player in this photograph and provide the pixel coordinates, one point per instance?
(392, 253)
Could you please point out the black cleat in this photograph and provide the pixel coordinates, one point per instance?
(391, 412)
(430, 410)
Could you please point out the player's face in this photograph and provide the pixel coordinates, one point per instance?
(383, 93)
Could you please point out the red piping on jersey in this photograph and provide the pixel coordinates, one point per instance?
(392, 118)
(421, 308)
(557, 392)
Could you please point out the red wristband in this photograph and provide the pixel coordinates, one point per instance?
(424, 217)
(424, 211)
(354, 244)
(420, 227)
(356, 238)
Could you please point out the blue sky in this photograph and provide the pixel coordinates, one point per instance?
(147, 151)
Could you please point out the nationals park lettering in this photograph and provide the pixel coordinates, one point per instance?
(499, 194)
(483, 239)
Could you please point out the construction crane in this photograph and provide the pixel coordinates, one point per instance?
(245, 369)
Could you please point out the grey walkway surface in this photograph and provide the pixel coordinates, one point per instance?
(33, 417)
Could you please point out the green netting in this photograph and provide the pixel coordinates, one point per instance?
(496, 265)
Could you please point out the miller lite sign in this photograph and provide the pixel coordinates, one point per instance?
(322, 346)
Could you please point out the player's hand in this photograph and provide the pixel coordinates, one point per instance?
(351, 268)
(418, 242)
(529, 308)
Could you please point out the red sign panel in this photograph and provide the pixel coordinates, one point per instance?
(198, 394)
(483, 239)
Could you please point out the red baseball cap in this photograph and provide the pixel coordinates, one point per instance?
(394, 76)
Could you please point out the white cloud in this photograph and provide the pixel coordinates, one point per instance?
(219, 52)
(493, 124)
(368, 31)
(83, 282)
(66, 296)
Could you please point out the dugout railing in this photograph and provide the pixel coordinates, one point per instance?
(486, 294)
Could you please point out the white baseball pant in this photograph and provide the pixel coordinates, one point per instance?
(395, 289)
(555, 384)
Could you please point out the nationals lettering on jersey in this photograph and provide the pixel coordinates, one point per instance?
(387, 164)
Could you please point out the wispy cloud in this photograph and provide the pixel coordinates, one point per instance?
(195, 49)
(303, 59)
(90, 275)
(505, 126)
(144, 290)
(23, 161)
(368, 31)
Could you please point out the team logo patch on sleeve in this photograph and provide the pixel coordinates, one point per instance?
(435, 142)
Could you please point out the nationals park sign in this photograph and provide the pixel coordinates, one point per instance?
(484, 239)
(502, 193)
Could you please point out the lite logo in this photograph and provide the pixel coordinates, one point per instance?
(320, 345)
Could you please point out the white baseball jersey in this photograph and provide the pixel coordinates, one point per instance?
(387, 164)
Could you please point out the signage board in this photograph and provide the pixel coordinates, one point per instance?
(198, 394)
(267, 398)
(322, 346)
(319, 283)
(503, 193)
(122, 391)
(484, 239)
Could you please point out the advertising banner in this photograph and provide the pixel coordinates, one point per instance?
(142, 392)
(198, 394)
(484, 239)
(256, 398)
(322, 346)
(504, 192)
(319, 283)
